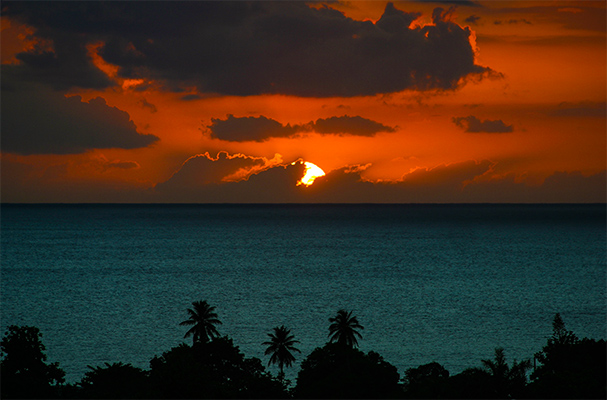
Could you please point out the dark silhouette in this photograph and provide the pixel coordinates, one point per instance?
(115, 381)
(507, 381)
(203, 318)
(338, 371)
(428, 381)
(343, 329)
(24, 372)
(471, 383)
(214, 369)
(569, 367)
(280, 346)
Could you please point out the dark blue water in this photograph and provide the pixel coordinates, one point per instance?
(445, 283)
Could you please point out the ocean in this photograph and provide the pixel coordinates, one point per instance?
(444, 283)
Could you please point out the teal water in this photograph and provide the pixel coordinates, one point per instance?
(445, 283)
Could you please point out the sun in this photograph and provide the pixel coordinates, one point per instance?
(311, 172)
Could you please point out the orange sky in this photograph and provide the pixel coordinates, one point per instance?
(539, 113)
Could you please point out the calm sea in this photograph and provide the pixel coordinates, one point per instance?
(445, 283)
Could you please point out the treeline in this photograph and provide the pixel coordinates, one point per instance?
(213, 367)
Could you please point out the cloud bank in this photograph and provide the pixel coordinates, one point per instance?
(454, 183)
(240, 129)
(244, 48)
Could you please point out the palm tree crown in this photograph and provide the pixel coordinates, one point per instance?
(280, 346)
(203, 318)
(343, 329)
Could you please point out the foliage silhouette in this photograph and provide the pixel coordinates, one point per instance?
(343, 329)
(428, 381)
(215, 369)
(569, 367)
(338, 371)
(203, 318)
(23, 370)
(115, 381)
(280, 346)
(471, 383)
(507, 381)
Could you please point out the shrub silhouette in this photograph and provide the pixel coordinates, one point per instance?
(339, 371)
(215, 369)
(24, 372)
(428, 381)
(115, 381)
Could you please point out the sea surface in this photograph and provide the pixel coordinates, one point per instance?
(444, 283)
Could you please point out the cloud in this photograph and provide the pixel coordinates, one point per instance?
(43, 122)
(246, 48)
(453, 183)
(560, 187)
(203, 169)
(468, 3)
(240, 129)
(473, 19)
(144, 103)
(474, 125)
(349, 125)
(581, 109)
(513, 21)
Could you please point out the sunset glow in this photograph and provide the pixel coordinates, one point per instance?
(311, 172)
(472, 101)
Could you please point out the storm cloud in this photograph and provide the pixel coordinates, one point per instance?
(39, 122)
(474, 125)
(240, 129)
(245, 48)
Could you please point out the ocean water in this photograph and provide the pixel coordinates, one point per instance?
(444, 283)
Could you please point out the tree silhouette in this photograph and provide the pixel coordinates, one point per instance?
(570, 367)
(343, 329)
(203, 318)
(115, 381)
(507, 381)
(280, 346)
(216, 369)
(335, 371)
(23, 370)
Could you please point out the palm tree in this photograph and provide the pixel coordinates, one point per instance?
(343, 329)
(507, 380)
(203, 318)
(280, 346)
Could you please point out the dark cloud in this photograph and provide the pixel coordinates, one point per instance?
(190, 97)
(246, 48)
(473, 19)
(474, 125)
(513, 21)
(560, 187)
(203, 169)
(581, 109)
(144, 103)
(41, 122)
(467, 3)
(454, 183)
(122, 164)
(349, 125)
(240, 129)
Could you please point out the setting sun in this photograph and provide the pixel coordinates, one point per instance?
(312, 172)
